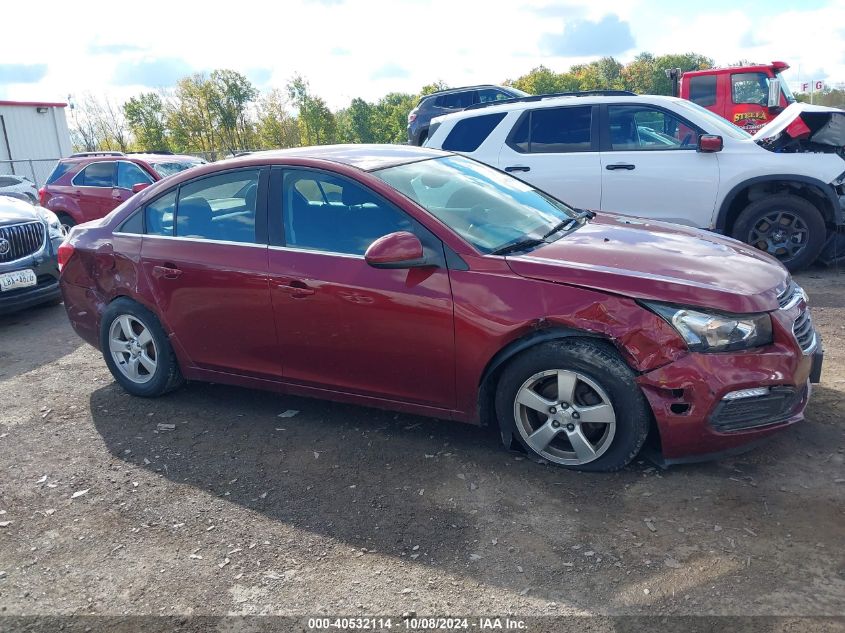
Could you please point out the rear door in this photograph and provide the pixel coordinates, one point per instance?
(651, 167)
(92, 188)
(557, 150)
(342, 324)
(204, 254)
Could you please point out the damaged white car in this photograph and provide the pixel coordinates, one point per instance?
(670, 159)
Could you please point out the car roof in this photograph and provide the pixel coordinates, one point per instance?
(368, 157)
(447, 91)
(132, 157)
(551, 102)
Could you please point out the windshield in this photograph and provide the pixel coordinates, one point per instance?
(721, 125)
(486, 207)
(168, 168)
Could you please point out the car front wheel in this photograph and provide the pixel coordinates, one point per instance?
(785, 226)
(574, 403)
(137, 351)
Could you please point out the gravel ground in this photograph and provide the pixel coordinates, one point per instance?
(346, 510)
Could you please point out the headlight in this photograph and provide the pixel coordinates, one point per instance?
(54, 226)
(709, 332)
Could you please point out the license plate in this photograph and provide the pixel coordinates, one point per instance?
(17, 279)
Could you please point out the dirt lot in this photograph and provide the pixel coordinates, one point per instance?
(346, 510)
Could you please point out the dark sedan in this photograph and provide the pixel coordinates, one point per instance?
(29, 244)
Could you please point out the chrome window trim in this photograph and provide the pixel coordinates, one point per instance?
(313, 251)
(190, 239)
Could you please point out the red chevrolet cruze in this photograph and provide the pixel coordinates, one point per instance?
(425, 282)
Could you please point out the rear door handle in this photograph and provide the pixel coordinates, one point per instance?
(614, 166)
(296, 289)
(166, 272)
(513, 168)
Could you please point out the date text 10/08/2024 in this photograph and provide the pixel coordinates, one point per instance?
(416, 624)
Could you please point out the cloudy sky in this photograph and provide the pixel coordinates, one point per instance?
(349, 48)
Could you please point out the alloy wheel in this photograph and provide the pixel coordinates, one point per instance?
(781, 234)
(565, 417)
(133, 349)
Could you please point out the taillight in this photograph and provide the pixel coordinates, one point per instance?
(412, 117)
(65, 253)
(42, 196)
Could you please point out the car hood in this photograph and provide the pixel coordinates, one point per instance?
(659, 262)
(13, 211)
(802, 127)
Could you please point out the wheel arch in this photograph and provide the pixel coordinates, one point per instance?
(819, 194)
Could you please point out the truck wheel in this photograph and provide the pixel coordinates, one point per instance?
(785, 226)
(574, 403)
(67, 222)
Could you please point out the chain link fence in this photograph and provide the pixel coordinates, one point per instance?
(35, 169)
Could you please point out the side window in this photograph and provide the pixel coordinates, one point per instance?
(455, 101)
(129, 174)
(639, 128)
(519, 137)
(750, 88)
(561, 130)
(219, 207)
(468, 134)
(489, 94)
(58, 171)
(323, 212)
(159, 215)
(702, 90)
(96, 175)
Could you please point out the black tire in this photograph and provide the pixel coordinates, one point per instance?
(806, 224)
(67, 221)
(592, 360)
(166, 376)
(423, 138)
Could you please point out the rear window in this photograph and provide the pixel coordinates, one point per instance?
(468, 134)
(702, 90)
(454, 101)
(96, 175)
(554, 130)
(58, 171)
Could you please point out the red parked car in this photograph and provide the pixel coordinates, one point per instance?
(425, 282)
(88, 185)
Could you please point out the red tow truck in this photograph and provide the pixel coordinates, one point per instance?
(748, 96)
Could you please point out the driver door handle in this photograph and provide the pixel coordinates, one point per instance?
(513, 168)
(614, 166)
(166, 272)
(296, 289)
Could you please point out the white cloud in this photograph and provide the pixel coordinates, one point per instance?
(341, 46)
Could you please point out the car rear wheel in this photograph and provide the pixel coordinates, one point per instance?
(785, 226)
(137, 351)
(574, 403)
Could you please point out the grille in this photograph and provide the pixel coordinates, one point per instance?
(746, 413)
(787, 295)
(804, 332)
(23, 240)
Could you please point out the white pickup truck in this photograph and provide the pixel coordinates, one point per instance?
(670, 159)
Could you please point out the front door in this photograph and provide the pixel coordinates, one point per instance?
(651, 169)
(204, 254)
(346, 326)
(93, 188)
(556, 150)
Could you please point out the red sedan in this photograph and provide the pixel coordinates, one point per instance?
(425, 282)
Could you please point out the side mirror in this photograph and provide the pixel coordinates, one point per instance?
(709, 143)
(396, 250)
(139, 186)
(774, 93)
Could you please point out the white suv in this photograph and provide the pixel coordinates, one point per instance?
(670, 159)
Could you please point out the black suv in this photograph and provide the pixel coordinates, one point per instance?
(452, 100)
(29, 244)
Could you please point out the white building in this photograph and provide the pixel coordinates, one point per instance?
(33, 136)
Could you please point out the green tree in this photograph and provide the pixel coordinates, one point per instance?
(275, 127)
(355, 123)
(191, 116)
(390, 117)
(230, 94)
(437, 86)
(317, 123)
(145, 117)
